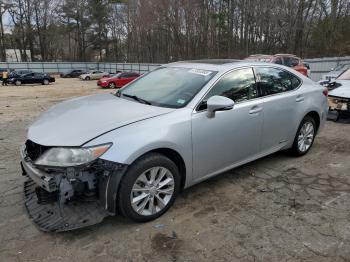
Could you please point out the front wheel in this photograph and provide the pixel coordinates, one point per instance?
(149, 188)
(111, 85)
(46, 82)
(305, 136)
(18, 83)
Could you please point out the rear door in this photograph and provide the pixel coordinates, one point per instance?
(123, 79)
(28, 78)
(38, 78)
(278, 87)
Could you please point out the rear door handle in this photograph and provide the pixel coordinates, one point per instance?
(255, 110)
(299, 99)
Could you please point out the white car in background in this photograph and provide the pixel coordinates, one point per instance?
(335, 72)
(93, 75)
(339, 97)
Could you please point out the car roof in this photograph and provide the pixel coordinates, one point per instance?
(211, 61)
(199, 64)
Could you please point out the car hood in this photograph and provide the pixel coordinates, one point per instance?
(342, 91)
(76, 121)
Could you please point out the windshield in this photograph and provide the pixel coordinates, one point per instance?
(116, 75)
(345, 75)
(341, 67)
(168, 86)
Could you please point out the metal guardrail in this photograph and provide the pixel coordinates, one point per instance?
(318, 66)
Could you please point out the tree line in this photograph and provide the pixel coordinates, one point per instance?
(158, 31)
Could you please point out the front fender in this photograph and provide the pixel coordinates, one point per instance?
(169, 131)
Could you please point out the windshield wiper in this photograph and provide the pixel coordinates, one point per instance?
(138, 99)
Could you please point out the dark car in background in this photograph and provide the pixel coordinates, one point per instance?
(32, 78)
(17, 73)
(73, 73)
(117, 80)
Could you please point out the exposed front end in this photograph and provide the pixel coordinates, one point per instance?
(339, 103)
(67, 198)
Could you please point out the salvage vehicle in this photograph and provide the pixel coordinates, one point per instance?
(118, 80)
(335, 72)
(93, 75)
(73, 73)
(171, 128)
(339, 96)
(282, 59)
(31, 78)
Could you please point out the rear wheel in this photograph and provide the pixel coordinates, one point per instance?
(46, 82)
(18, 82)
(305, 136)
(149, 188)
(111, 85)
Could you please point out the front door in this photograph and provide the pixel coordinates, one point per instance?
(232, 136)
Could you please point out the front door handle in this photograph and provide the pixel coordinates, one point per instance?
(299, 98)
(255, 110)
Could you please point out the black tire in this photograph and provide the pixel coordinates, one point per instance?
(46, 82)
(18, 82)
(87, 78)
(134, 171)
(111, 85)
(295, 148)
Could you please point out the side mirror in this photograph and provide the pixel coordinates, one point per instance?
(218, 103)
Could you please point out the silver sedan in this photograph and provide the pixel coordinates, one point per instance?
(132, 152)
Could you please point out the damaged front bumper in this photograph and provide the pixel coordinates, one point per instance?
(339, 104)
(69, 198)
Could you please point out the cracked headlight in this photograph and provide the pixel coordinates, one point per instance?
(67, 157)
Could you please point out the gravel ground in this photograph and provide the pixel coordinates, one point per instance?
(278, 208)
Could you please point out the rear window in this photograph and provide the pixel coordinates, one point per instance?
(274, 80)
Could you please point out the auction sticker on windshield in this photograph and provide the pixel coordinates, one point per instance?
(200, 72)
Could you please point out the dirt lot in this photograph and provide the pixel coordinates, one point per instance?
(278, 208)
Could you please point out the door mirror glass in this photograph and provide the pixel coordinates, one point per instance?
(218, 103)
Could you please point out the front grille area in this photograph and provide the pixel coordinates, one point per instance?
(34, 150)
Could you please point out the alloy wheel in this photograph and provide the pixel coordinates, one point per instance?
(152, 191)
(306, 136)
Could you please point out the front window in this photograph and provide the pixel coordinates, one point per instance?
(345, 75)
(238, 85)
(168, 86)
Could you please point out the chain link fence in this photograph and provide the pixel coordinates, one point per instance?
(320, 66)
(63, 67)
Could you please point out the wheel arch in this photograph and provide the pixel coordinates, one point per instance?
(174, 156)
(315, 115)
(112, 192)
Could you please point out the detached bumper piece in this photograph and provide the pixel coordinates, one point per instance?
(50, 215)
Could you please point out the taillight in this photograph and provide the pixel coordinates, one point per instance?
(325, 92)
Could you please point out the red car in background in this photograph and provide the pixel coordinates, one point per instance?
(117, 80)
(283, 59)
